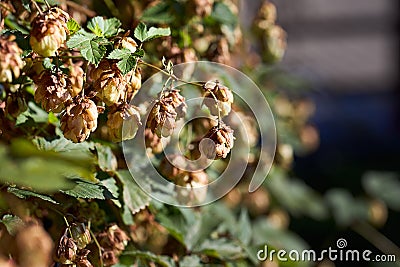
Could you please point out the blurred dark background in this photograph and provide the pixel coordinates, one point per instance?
(349, 52)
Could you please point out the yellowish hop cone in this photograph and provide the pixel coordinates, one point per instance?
(49, 32)
(108, 82)
(123, 123)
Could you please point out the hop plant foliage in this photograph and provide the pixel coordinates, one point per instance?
(67, 79)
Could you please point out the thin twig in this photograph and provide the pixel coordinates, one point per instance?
(87, 12)
(380, 241)
(98, 246)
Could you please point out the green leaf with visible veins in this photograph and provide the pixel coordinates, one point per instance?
(127, 59)
(86, 189)
(154, 33)
(134, 197)
(104, 27)
(141, 32)
(73, 26)
(89, 44)
(22, 193)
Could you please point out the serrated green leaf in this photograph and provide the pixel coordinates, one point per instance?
(12, 223)
(86, 189)
(127, 64)
(127, 60)
(106, 158)
(22, 193)
(141, 32)
(157, 32)
(104, 28)
(89, 44)
(119, 54)
(158, 14)
(134, 197)
(111, 185)
(73, 26)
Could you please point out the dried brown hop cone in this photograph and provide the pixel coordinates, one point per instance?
(81, 259)
(215, 91)
(76, 76)
(170, 107)
(134, 83)
(52, 90)
(49, 31)
(10, 59)
(109, 258)
(108, 82)
(79, 120)
(113, 239)
(118, 116)
(222, 136)
(66, 250)
(15, 105)
(152, 141)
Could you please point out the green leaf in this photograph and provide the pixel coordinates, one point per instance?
(106, 158)
(86, 189)
(26, 166)
(79, 155)
(223, 14)
(157, 32)
(104, 28)
(73, 26)
(141, 32)
(33, 113)
(244, 228)
(22, 193)
(158, 14)
(12, 223)
(134, 197)
(163, 261)
(90, 45)
(222, 249)
(190, 261)
(127, 61)
(111, 186)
